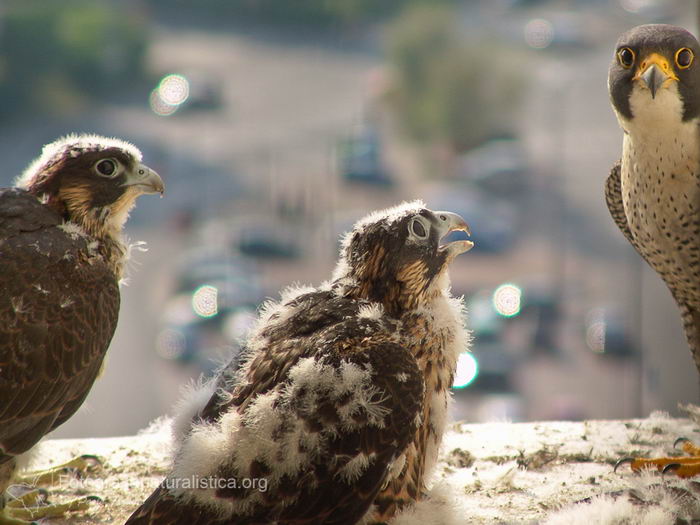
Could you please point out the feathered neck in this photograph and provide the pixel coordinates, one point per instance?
(398, 294)
(97, 224)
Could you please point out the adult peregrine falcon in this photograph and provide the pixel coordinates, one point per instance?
(653, 192)
(337, 411)
(62, 255)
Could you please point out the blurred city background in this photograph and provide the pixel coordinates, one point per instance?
(276, 125)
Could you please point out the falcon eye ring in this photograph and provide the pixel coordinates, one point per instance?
(684, 58)
(106, 167)
(625, 56)
(416, 228)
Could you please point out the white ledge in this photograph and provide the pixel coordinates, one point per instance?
(494, 472)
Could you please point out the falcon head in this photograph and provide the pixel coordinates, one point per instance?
(655, 75)
(92, 181)
(395, 257)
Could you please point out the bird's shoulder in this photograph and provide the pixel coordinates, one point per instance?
(34, 235)
(59, 302)
(315, 312)
(20, 211)
(314, 323)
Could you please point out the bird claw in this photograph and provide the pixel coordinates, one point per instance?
(622, 461)
(680, 440)
(79, 467)
(31, 497)
(90, 463)
(671, 467)
(53, 510)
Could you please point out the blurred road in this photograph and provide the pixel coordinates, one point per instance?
(285, 105)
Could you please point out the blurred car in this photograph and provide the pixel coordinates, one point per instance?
(214, 302)
(498, 166)
(360, 159)
(269, 242)
(607, 335)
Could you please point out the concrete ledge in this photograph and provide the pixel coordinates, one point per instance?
(494, 472)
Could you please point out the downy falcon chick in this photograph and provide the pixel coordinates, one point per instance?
(336, 413)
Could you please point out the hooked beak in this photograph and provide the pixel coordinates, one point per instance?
(450, 222)
(145, 180)
(654, 72)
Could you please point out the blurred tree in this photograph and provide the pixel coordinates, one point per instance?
(300, 12)
(54, 52)
(447, 90)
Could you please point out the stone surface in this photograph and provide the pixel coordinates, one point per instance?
(489, 473)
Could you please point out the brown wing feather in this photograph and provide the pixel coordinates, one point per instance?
(58, 311)
(613, 198)
(326, 328)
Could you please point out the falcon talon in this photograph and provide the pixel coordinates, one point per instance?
(680, 440)
(622, 462)
(671, 467)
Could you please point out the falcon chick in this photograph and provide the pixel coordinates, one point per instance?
(62, 256)
(653, 192)
(337, 410)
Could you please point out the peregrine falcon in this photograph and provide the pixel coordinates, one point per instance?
(653, 192)
(337, 410)
(62, 256)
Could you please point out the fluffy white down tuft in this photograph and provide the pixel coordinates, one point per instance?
(389, 214)
(441, 507)
(193, 398)
(272, 430)
(373, 311)
(72, 229)
(656, 504)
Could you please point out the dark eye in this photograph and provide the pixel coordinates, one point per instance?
(625, 56)
(106, 167)
(418, 229)
(684, 57)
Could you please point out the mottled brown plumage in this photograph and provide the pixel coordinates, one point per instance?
(341, 401)
(62, 256)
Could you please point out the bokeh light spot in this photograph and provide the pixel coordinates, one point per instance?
(507, 300)
(171, 92)
(467, 370)
(595, 330)
(174, 89)
(539, 33)
(595, 337)
(204, 301)
(159, 106)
